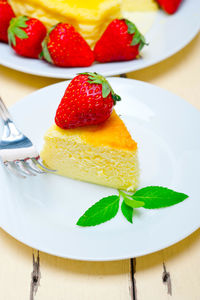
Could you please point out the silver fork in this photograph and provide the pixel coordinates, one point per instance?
(16, 150)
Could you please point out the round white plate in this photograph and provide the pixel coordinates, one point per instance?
(42, 211)
(167, 35)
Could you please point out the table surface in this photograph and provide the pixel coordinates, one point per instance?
(172, 273)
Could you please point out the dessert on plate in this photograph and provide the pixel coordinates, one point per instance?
(90, 18)
(89, 141)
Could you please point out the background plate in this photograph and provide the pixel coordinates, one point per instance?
(42, 211)
(167, 35)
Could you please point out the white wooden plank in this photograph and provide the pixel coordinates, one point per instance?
(182, 262)
(61, 278)
(83, 280)
(15, 268)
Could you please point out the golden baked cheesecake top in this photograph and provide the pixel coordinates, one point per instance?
(79, 9)
(111, 133)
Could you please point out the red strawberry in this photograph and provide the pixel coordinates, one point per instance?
(6, 14)
(170, 6)
(120, 41)
(25, 35)
(88, 100)
(64, 47)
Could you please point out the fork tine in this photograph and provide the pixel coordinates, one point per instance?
(33, 167)
(22, 167)
(39, 162)
(13, 170)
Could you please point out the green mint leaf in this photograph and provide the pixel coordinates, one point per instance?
(127, 212)
(101, 212)
(158, 197)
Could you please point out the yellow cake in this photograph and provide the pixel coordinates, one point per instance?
(139, 5)
(103, 154)
(89, 17)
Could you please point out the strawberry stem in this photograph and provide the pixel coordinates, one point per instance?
(106, 88)
(15, 29)
(45, 52)
(138, 38)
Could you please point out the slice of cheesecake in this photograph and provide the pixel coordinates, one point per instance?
(104, 154)
(89, 17)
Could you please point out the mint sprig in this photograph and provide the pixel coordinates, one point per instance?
(138, 38)
(102, 211)
(127, 211)
(151, 197)
(130, 201)
(158, 197)
(106, 87)
(15, 29)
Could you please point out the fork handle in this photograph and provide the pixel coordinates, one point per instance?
(9, 126)
(4, 113)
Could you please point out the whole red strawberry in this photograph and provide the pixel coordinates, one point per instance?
(6, 14)
(25, 35)
(88, 100)
(120, 41)
(64, 47)
(170, 6)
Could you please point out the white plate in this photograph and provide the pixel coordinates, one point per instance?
(167, 35)
(42, 211)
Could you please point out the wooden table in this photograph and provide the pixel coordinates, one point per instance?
(173, 273)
